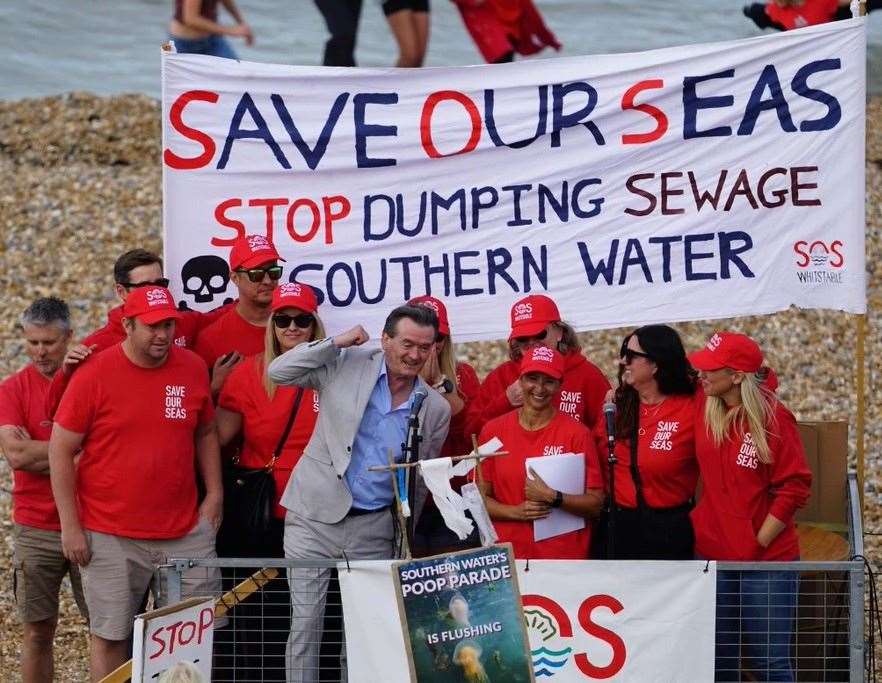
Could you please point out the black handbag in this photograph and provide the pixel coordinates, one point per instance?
(666, 532)
(249, 495)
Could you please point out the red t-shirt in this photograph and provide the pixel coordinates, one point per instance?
(739, 491)
(137, 472)
(264, 420)
(23, 403)
(230, 332)
(508, 475)
(665, 455)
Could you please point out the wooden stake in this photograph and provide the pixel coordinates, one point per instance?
(402, 522)
(860, 392)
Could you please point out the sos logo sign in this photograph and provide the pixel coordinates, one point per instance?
(551, 631)
(819, 254)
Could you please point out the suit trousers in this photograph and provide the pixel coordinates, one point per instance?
(362, 537)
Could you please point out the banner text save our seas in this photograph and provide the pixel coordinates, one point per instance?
(364, 118)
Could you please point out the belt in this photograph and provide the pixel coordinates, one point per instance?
(358, 512)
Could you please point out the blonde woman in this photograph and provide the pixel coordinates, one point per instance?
(754, 478)
(251, 407)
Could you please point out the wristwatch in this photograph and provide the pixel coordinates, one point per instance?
(444, 386)
(558, 499)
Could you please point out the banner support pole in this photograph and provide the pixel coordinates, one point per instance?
(860, 390)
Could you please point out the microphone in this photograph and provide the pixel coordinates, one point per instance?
(419, 395)
(609, 413)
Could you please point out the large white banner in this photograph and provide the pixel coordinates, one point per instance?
(587, 621)
(687, 183)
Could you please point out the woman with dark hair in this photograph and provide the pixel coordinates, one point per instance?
(656, 471)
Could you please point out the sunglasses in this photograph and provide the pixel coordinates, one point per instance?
(257, 274)
(535, 338)
(628, 355)
(303, 321)
(161, 282)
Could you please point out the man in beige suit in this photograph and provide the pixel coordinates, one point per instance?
(336, 507)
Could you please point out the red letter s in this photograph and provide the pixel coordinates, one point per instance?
(804, 259)
(177, 109)
(601, 633)
(656, 113)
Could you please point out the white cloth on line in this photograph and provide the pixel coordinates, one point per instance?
(436, 475)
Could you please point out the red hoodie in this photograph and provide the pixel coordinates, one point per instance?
(581, 394)
(739, 491)
(186, 331)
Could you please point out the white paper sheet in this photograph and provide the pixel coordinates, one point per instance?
(564, 473)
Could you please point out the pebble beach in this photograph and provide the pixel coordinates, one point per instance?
(80, 182)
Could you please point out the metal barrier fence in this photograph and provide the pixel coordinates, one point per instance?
(828, 643)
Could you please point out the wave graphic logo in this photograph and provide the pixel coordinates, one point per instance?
(547, 627)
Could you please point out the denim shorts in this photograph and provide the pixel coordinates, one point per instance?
(216, 46)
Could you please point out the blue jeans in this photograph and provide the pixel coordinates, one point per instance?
(216, 46)
(756, 613)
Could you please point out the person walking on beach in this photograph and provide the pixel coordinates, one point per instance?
(341, 18)
(38, 563)
(195, 28)
(409, 23)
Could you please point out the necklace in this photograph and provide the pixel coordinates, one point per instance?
(645, 412)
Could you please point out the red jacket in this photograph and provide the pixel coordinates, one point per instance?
(499, 27)
(581, 394)
(810, 13)
(186, 330)
(739, 492)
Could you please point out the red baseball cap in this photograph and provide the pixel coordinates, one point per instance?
(250, 251)
(543, 359)
(150, 305)
(295, 295)
(728, 350)
(436, 305)
(531, 315)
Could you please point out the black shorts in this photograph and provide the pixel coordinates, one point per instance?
(393, 6)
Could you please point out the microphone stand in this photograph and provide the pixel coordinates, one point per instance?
(611, 462)
(411, 451)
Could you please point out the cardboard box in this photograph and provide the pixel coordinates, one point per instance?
(826, 450)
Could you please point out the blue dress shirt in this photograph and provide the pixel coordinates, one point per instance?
(381, 428)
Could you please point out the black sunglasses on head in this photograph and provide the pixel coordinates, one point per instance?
(257, 274)
(283, 322)
(160, 282)
(628, 355)
(535, 338)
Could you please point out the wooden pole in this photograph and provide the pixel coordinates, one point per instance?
(456, 458)
(402, 522)
(860, 391)
(222, 605)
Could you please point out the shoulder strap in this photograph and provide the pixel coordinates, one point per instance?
(298, 397)
(635, 471)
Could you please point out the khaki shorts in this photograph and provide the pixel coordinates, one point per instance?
(122, 569)
(38, 568)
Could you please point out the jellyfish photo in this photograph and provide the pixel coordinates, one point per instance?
(458, 609)
(468, 655)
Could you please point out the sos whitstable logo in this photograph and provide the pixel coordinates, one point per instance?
(819, 262)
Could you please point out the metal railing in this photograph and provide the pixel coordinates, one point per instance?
(827, 644)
